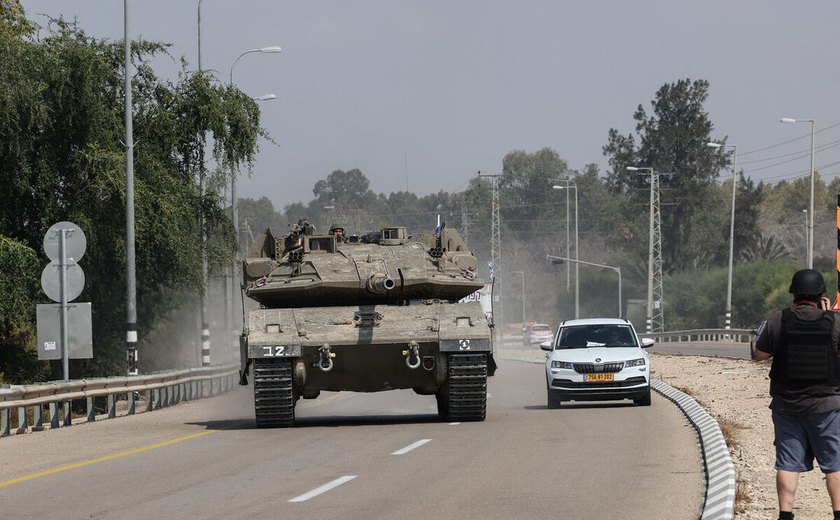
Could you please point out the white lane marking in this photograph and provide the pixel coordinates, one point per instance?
(454, 424)
(411, 447)
(323, 489)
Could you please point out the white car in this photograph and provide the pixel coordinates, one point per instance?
(597, 360)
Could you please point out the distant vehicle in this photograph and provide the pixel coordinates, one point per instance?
(537, 333)
(597, 360)
(754, 337)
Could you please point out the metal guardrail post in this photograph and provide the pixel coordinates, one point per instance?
(156, 397)
(5, 415)
(91, 410)
(23, 420)
(38, 418)
(132, 403)
(68, 413)
(53, 415)
(149, 400)
(112, 406)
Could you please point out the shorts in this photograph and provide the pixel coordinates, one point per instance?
(800, 439)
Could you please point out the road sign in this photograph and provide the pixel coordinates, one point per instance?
(80, 336)
(51, 282)
(75, 241)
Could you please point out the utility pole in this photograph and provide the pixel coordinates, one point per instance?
(657, 316)
(205, 327)
(131, 280)
(465, 223)
(655, 321)
(495, 245)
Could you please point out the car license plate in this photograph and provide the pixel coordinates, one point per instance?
(599, 377)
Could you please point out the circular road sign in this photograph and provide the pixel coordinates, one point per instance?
(51, 283)
(75, 241)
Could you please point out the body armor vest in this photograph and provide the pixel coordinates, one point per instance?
(807, 355)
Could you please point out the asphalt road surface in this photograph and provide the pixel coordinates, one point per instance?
(365, 456)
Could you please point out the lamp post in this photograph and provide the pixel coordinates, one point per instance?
(810, 239)
(522, 274)
(561, 259)
(649, 326)
(805, 212)
(570, 185)
(731, 233)
(234, 209)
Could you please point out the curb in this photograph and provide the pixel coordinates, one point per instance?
(720, 471)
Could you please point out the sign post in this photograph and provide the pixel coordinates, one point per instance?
(63, 281)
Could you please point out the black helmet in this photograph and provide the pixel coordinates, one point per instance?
(807, 281)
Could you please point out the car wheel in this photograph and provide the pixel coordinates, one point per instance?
(644, 400)
(553, 402)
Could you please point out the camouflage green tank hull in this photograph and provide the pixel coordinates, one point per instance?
(301, 352)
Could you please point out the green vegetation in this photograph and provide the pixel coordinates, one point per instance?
(62, 158)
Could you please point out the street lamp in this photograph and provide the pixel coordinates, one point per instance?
(266, 50)
(522, 274)
(561, 259)
(731, 233)
(649, 325)
(810, 238)
(805, 212)
(570, 185)
(234, 209)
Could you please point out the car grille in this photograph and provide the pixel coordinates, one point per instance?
(595, 368)
(565, 383)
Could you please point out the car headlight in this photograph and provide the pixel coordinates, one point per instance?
(561, 364)
(634, 363)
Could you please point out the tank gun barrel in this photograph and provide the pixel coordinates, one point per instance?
(380, 284)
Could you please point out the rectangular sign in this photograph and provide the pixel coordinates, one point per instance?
(79, 333)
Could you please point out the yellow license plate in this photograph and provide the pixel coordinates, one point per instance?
(599, 377)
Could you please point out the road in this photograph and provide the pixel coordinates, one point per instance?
(363, 456)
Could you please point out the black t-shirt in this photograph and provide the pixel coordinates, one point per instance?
(799, 400)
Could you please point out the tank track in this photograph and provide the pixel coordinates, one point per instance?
(466, 399)
(274, 399)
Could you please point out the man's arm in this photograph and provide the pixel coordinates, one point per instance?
(764, 342)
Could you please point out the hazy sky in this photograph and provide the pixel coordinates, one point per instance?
(422, 94)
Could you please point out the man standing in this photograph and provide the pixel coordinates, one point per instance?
(805, 389)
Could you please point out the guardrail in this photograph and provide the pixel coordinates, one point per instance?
(160, 390)
(733, 335)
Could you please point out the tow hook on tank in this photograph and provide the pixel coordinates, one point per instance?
(412, 355)
(428, 363)
(325, 362)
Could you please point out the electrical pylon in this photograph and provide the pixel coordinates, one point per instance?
(657, 316)
(495, 248)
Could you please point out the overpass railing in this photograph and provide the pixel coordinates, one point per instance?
(153, 392)
(711, 335)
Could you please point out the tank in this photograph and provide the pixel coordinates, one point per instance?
(378, 312)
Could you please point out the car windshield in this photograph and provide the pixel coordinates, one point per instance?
(591, 336)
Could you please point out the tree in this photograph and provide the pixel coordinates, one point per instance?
(673, 141)
(62, 158)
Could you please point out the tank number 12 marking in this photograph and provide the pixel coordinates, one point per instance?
(275, 350)
(464, 344)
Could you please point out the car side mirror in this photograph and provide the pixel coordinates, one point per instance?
(647, 342)
(546, 345)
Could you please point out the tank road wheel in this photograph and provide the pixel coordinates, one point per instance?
(464, 397)
(274, 399)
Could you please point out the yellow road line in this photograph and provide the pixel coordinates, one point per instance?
(103, 459)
